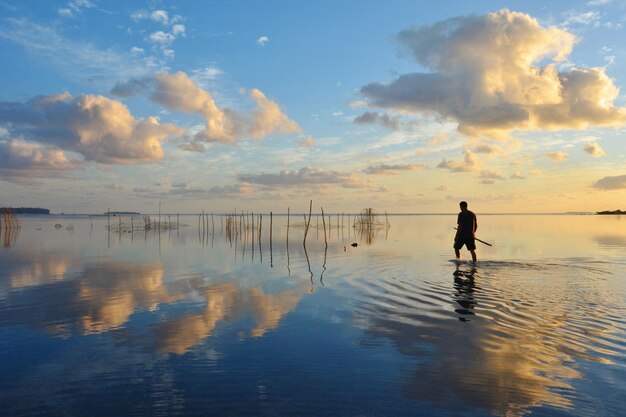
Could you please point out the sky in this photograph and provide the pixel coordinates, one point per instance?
(403, 106)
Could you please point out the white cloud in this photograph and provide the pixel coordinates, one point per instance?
(75, 7)
(594, 149)
(98, 128)
(582, 18)
(235, 190)
(179, 92)
(307, 142)
(65, 12)
(559, 156)
(384, 169)
(131, 87)
(162, 38)
(262, 41)
(440, 138)
(490, 174)
(178, 30)
(611, 183)
(488, 148)
(20, 159)
(203, 77)
(485, 75)
(303, 176)
(160, 16)
(375, 117)
(77, 60)
(358, 104)
(470, 163)
(268, 117)
(136, 50)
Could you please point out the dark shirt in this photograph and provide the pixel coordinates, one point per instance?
(467, 224)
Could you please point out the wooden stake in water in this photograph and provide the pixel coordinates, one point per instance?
(307, 222)
(324, 222)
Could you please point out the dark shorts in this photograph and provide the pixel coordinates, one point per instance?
(467, 241)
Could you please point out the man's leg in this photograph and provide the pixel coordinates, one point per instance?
(457, 253)
(473, 254)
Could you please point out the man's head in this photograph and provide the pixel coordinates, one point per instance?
(463, 205)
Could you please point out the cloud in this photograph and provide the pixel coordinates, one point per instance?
(262, 41)
(593, 149)
(470, 163)
(65, 12)
(489, 149)
(489, 176)
(178, 92)
(268, 117)
(303, 176)
(440, 138)
(75, 7)
(98, 128)
(443, 187)
(131, 87)
(77, 60)
(160, 16)
(235, 190)
(557, 156)
(611, 183)
(143, 190)
(357, 104)
(19, 159)
(178, 30)
(582, 18)
(375, 117)
(204, 77)
(162, 38)
(113, 186)
(517, 176)
(485, 74)
(392, 169)
(307, 142)
(193, 146)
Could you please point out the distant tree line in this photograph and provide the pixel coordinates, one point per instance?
(26, 210)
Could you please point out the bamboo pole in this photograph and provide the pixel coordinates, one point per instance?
(324, 222)
(308, 223)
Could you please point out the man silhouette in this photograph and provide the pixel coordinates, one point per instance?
(467, 225)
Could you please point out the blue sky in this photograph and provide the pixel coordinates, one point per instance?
(402, 106)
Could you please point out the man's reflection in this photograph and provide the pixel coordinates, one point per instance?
(464, 296)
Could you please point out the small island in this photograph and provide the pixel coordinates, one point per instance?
(611, 212)
(121, 213)
(25, 210)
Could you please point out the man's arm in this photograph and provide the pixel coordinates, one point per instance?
(475, 223)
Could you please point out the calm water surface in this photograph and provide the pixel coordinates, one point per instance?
(194, 323)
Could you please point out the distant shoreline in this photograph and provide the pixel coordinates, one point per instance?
(614, 212)
(26, 210)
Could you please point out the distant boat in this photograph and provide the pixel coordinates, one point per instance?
(611, 212)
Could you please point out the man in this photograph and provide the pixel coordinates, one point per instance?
(467, 225)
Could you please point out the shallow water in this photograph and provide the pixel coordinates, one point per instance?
(191, 322)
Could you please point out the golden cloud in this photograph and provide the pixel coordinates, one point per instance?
(486, 75)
